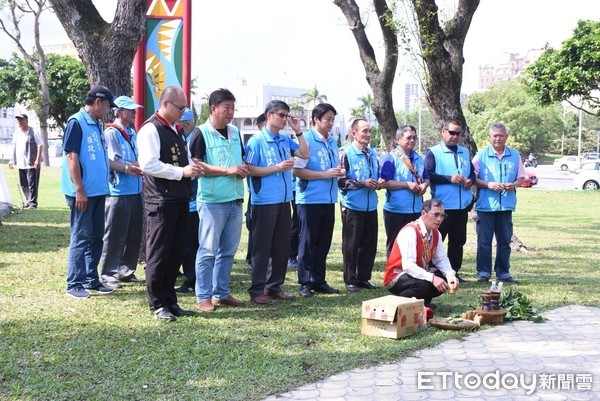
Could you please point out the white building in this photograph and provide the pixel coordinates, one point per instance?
(252, 99)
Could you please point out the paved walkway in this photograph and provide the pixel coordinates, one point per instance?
(555, 360)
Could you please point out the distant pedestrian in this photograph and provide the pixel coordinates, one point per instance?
(27, 156)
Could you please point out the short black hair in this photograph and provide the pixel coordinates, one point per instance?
(261, 119)
(320, 110)
(274, 105)
(219, 96)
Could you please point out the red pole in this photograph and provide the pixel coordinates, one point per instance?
(139, 82)
(187, 49)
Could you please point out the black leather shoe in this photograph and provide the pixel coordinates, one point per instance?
(367, 285)
(325, 289)
(509, 280)
(185, 289)
(306, 292)
(461, 280)
(178, 311)
(352, 287)
(164, 314)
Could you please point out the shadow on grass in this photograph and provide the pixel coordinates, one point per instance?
(40, 230)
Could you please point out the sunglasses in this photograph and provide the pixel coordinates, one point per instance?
(453, 133)
(282, 115)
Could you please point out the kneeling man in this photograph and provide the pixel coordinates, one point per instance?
(418, 265)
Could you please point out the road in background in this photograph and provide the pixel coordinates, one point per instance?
(551, 178)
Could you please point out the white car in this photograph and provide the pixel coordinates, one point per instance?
(567, 163)
(587, 176)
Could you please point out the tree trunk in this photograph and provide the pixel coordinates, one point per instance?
(442, 52)
(381, 80)
(107, 50)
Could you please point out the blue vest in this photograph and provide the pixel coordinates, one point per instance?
(265, 149)
(322, 158)
(93, 159)
(493, 169)
(221, 152)
(361, 168)
(454, 197)
(404, 200)
(125, 184)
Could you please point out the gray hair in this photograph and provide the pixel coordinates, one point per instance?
(429, 203)
(405, 128)
(499, 127)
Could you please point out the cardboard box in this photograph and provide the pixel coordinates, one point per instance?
(391, 316)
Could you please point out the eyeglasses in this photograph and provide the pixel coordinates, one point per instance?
(453, 133)
(411, 138)
(180, 108)
(437, 215)
(282, 115)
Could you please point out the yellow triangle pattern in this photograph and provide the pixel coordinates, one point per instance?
(156, 72)
(166, 33)
(159, 7)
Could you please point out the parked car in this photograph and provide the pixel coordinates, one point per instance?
(587, 176)
(567, 163)
(590, 156)
(530, 178)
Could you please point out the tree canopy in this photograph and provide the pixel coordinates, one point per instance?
(67, 84)
(532, 128)
(571, 73)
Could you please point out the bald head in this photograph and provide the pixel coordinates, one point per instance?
(173, 103)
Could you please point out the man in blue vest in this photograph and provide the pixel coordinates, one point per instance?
(499, 173)
(451, 175)
(405, 190)
(358, 186)
(84, 181)
(316, 196)
(168, 169)
(124, 207)
(270, 157)
(218, 148)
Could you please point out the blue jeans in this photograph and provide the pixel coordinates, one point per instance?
(85, 248)
(219, 232)
(488, 225)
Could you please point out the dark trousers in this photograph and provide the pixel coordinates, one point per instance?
(190, 250)
(271, 225)
(408, 286)
(249, 228)
(29, 179)
(359, 244)
(295, 231)
(123, 217)
(455, 227)
(393, 224)
(165, 223)
(316, 232)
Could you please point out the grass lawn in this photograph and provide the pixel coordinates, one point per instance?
(110, 348)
